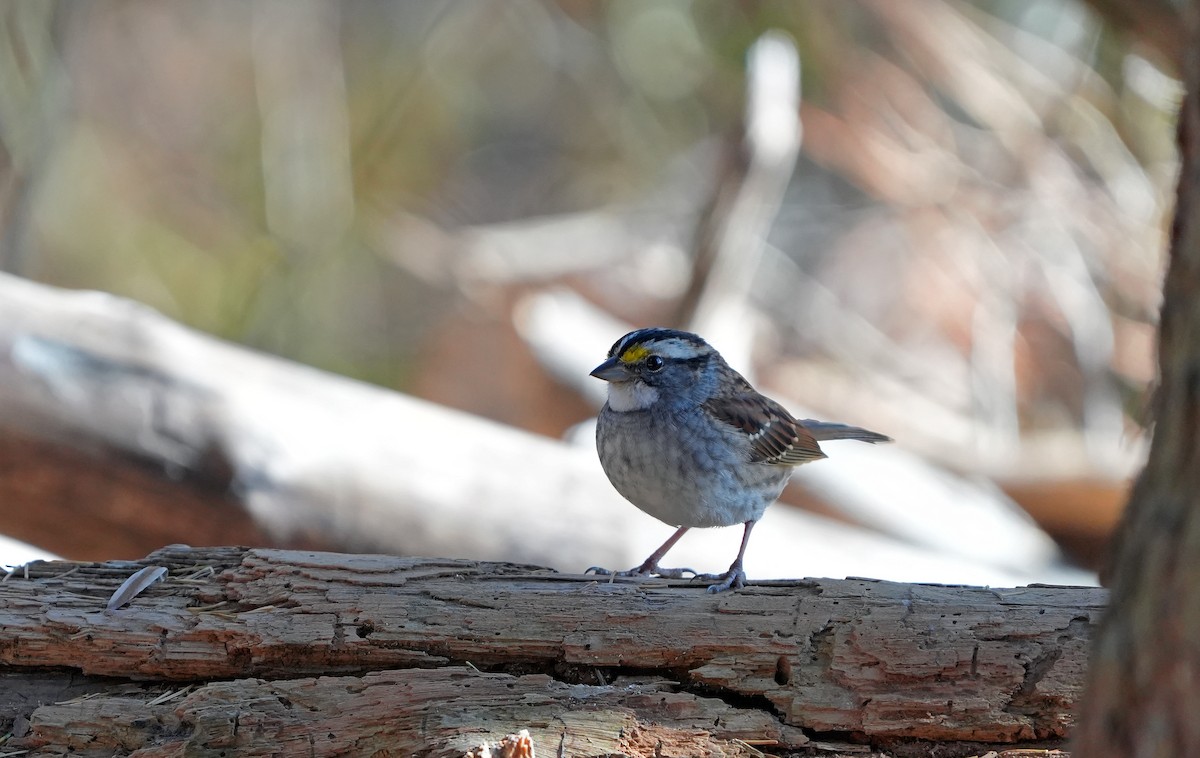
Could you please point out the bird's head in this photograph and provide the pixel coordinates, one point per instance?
(649, 365)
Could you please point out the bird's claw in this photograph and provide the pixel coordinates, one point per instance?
(733, 579)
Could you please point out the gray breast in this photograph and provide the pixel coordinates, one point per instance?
(685, 470)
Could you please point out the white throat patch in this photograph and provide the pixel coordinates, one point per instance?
(631, 396)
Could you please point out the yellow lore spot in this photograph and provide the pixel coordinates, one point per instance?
(634, 354)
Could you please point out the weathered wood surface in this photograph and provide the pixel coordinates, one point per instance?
(365, 653)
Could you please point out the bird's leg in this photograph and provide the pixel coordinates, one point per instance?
(650, 565)
(735, 577)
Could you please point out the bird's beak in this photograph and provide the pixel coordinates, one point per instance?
(612, 370)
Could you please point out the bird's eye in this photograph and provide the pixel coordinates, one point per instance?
(655, 363)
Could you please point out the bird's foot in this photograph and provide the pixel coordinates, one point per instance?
(733, 579)
(674, 573)
(645, 570)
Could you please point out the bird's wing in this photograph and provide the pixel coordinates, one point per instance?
(775, 437)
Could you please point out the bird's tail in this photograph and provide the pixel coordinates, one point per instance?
(828, 430)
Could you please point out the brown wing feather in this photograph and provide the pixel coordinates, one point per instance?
(775, 437)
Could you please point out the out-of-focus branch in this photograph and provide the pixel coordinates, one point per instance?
(1158, 24)
(730, 240)
(152, 433)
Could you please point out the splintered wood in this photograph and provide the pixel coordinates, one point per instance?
(262, 651)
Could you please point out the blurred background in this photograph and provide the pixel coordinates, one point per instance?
(470, 201)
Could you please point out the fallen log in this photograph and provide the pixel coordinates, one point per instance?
(261, 651)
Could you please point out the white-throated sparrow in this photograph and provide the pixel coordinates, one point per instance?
(686, 438)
